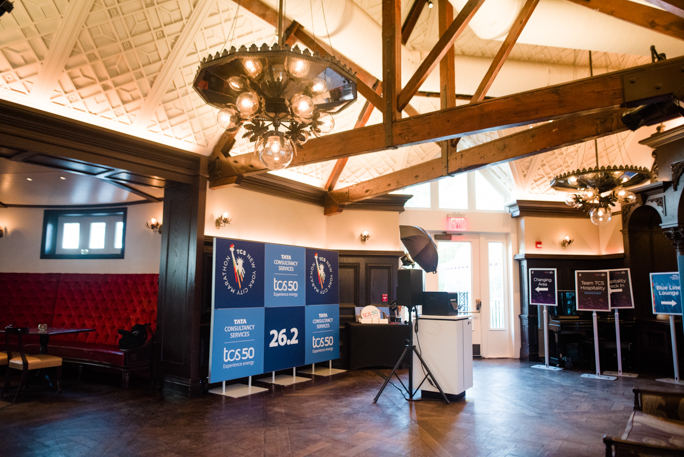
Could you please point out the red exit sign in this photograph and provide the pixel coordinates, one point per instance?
(457, 223)
(385, 298)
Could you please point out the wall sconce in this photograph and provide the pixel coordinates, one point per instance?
(223, 220)
(365, 236)
(567, 241)
(1, 233)
(154, 225)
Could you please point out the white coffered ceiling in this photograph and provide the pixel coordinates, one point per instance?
(128, 65)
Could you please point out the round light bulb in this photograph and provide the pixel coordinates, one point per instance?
(153, 221)
(589, 194)
(629, 197)
(600, 215)
(318, 86)
(298, 68)
(572, 200)
(275, 152)
(237, 83)
(572, 180)
(302, 105)
(225, 215)
(327, 123)
(253, 67)
(248, 104)
(228, 118)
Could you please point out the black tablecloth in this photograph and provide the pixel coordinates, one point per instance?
(376, 345)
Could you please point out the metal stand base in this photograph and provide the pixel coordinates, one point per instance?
(621, 375)
(598, 376)
(410, 350)
(547, 367)
(322, 371)
(671, 381)
(284, 380)
(237, 390)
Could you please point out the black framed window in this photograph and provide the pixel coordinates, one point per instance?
(79, 234)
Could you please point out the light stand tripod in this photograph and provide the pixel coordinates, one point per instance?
(410, 349)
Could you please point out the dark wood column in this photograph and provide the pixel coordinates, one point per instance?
(177, 351)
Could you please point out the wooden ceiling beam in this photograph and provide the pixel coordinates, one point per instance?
(364, 116)
(447, 73)
(438, 51)
(537, 140)
(505, 50)
(411, 20)
(629, 87)
(675, 7)
(533, 141)
(391, 65)
(641, 15)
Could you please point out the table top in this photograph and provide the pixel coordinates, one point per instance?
(55, 330)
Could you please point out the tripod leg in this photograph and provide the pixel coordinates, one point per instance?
(431, 375)
(401, 359)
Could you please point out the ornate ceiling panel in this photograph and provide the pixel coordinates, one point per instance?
(118, 56)
(25, 38)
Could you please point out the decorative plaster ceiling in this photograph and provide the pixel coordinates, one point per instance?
(129, 65)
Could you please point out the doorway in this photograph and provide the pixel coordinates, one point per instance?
(474, 265)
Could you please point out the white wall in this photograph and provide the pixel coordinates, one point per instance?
(20, 247)
(589, 238)
(266, 218)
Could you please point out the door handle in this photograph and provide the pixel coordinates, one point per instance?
(478, 304)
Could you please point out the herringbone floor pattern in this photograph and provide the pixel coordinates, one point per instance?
(512, 410)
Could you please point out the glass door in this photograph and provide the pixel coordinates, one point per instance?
(458, 271)
(475, 266)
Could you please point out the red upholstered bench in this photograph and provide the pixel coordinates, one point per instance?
(105, 302)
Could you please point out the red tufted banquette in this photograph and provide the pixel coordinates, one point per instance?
(105, 302)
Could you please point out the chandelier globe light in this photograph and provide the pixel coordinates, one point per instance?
(280, 95)
(595, 190)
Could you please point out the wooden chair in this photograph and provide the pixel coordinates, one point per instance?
(25, 362)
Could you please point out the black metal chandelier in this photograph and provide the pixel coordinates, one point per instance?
(595, 190)
(285, 94)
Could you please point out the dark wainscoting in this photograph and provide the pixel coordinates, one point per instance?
(566, 266)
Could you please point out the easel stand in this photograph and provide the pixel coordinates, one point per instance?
(674, 356)
(598, 374)
(546, 345)
(284, 379)
(330, 371)
(618, 344)
(237, 390)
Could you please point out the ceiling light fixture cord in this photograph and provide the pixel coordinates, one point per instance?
(231, 32)
(332, 50)
(280, 23)
(313, 31)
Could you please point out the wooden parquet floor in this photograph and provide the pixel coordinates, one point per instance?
(512, 410)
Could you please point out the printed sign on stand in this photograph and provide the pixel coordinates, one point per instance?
(591, 290)
(237, 344)
(239, 274)
(285, 275)
(284, 338)
(543, 286)
(322, 333)
(620, 289)
(322, 283)
(666, 293)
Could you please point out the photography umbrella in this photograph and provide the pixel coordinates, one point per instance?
(420, 246)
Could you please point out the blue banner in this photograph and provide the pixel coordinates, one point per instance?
(322, 282)
(666, 293)
(284, 338)
(237, 344)
(322, 333)
(284, 273)
(239, 274)
(543, 286)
